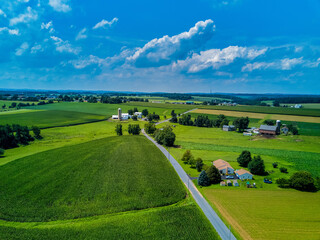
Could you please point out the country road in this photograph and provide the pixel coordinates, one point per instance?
(214, 219)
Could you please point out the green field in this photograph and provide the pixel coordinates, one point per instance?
(44, 119)
(268, 110)
(114, 187)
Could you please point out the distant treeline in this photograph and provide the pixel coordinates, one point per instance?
(298, 99)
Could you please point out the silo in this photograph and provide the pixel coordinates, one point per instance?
(119, 114)
(278, 125)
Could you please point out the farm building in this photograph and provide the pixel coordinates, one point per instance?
(243, 174)
(189, 102)
(124, 116)
(223, 166)
(235, 183)
(229, 183)
(228, 128)
(247, 134)
(270, 130)
(298, 106)
(138, 114)
(223, 183)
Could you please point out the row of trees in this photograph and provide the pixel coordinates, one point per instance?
(133, 129)
(13, 135)
(188, 158)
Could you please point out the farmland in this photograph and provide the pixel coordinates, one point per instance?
(84, 192)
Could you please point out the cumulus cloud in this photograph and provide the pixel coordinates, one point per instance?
(29, 15)
(20, 50)
(164, 50)
(64, 46)
(82, 34)
(10, 31)
(2, 13)
(47, 26)
(85, 62)
(104, 23)
(216, 58)
(36, 48)
(60, 5)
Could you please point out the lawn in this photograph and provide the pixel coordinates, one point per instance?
(256, 214)
(44, 119)
(109, 175)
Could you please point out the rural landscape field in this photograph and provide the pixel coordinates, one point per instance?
(160, 120)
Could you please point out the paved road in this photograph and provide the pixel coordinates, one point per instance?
(216, 222)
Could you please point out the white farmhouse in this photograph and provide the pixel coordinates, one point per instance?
(243, 174)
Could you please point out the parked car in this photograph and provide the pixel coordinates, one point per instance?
(230, 177)
(266, 180)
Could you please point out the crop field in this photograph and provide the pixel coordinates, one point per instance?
(267, 110)
(103, 188)
(256, 214)
(8, 103)
(45, 119)
(260, 115)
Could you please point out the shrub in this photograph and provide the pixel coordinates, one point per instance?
(303, 181)
(275, 165)
(283, 183)
(150, 128)
(119, 129)
(187, 156)
(203, 179)
(36, 131)
(256, 166)
(283, 170)
(244, 158)
(199, 164)
(213, 174)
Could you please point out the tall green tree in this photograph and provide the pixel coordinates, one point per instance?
(244, 158)
(256, 166)
(199, 164)
(119, 129)
(145, 112)
(1, 151)
(203, 179)
(36, 131)
(150, 128)
(187, 156)
(241, 123)
(213, 174)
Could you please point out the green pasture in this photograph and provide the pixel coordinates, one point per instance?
(44, 119)
(104, 176)
(305, 105)
(8, 103)
(268, 110)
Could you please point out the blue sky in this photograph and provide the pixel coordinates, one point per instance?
(173, 46)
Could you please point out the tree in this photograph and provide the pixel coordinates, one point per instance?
(199, 164)
(165, 136)
(135, 110)
(275, 165)
(241, 123)
(303, 181)
(269, 122)
(292, 129)
(134, 117)
(187, 156)
(174, 119)
(150, 128)
(224, 122)
(244, 158)
(283, 183)
(1, 152)
(256, 166)
(119, 129)
(36, 131)
(203, 179)
(134, 129)
(130, 112)
(276, 104)
(173, 114)
(283, 170)
(213, 174)
(145, 112)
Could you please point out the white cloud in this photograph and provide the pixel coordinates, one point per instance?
(105, 23)
(36, 48)
(29, 15)
(47, 26)
(216, 58)
(2, 13)
(10, 31)
(288, 64)
(164, 50)
(65, 46)
(59, 5)
(82, 34)
(84, 62)
(20, 50)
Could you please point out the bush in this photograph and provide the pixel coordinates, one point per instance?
(199, 164)
(165, 136)
(150, 128)
(119, 129)
(283, 170)
(187, 156)
(303, 181)
(244, 158)
(213, 174)
(275, 165)
(36, 131)
(283, 183)
(256, 166)
(203, 179)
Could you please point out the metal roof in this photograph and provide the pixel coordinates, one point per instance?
(268, 128)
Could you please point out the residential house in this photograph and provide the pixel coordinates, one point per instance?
(223, 166)
(243, 174)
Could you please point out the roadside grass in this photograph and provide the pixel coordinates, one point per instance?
(183, 221)
(260, 115)
(53, 118)
(267, 110)
(104, 176)
(285, 214)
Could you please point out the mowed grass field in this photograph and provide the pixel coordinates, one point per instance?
(256, 214)
(44, 119)
(267, 110)
(260, 115)
(111, 188)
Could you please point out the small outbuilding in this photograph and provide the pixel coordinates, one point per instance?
(228, 128)
(223, 183)
(243, 174)
(235, 183)
(229, 184)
